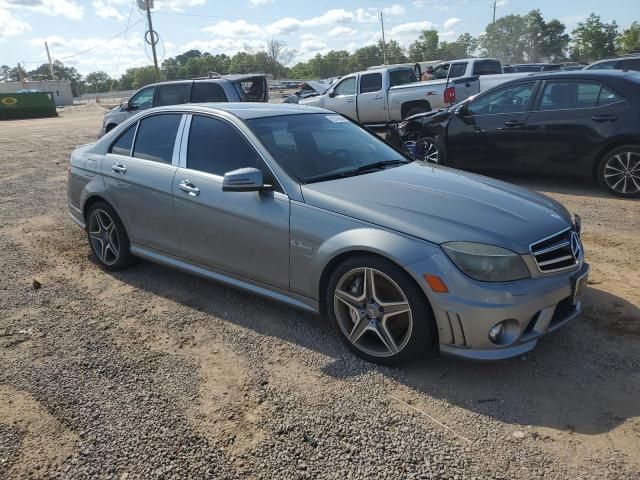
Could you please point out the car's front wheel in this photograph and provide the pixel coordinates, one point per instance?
(619, 171)
(379, 311)
(428, 150)
(107, 237)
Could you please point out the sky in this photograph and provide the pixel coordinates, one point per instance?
(109, 34)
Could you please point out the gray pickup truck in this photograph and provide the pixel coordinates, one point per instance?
(391, 94)
(226, 88)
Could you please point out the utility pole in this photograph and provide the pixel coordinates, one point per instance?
(493, 24)
(153, 36)
(384, 44)
(53, 75)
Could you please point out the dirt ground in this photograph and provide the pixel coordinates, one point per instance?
(152, 373)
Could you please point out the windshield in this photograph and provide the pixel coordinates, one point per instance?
(318, 146)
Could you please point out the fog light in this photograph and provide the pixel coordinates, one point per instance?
(496, 333)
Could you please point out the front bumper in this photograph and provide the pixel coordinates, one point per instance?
(464, 316)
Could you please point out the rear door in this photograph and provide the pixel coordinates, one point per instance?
(173, 94)
(138, 171)
(570, 122)
(342, 98)
(242, 233)
(487, 133)
(371, 102)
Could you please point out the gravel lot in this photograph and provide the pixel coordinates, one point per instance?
(150, 373)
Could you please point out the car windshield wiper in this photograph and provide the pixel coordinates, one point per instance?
(362, 169)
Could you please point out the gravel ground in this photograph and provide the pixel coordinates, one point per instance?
(149, 373)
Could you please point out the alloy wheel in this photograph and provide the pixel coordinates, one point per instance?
(622, 173)
(373, 312)
(428, 150)
(103, 236)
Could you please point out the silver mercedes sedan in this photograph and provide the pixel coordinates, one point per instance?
(304, 206)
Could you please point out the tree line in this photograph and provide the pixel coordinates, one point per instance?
(512, 39)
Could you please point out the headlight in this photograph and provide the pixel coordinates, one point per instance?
(486, 262)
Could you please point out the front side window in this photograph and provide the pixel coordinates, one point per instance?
(156, 137)
(207, 92)
(143, 99)
(511, 99)
(346, 87)
(371, 82)
(173, 94)
(122, 146)
(217, 147)
(629, 64)
(313, 147)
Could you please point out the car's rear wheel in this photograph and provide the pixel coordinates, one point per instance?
(379, 311)
(108, 238)
(619, 171)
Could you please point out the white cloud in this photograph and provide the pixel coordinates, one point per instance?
(256, 3)
(237, 28)
(284, 26)
(395, 10)
(312, 46)
(10, 25)
(411, 28)
(342, 32)
(502, 3)
(106, 9)
(176, 5)
(66, 8)
(452, 22)
(432, 4)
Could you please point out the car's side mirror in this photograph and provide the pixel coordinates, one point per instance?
(331, 93)
(461, 111)
(125, 105)
(244, 180)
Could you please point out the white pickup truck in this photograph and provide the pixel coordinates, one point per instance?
(488, 71)
(391, 94)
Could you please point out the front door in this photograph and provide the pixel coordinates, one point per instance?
(487, 132)
(342, 98)
(569, 124)
(242, 233)
(139, 180)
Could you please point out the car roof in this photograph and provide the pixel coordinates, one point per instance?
(231, 78)
(614, 59)
(246, 110)
(574, 74)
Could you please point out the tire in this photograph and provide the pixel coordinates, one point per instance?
(429, 150)
(369, 327)
(619, 171)
(107, 237)
(415, 111)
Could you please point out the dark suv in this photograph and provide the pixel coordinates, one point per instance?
(227, 88)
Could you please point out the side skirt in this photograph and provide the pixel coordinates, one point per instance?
(292, 299)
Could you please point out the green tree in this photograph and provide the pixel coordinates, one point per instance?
(4, 72)
(629, 40)
(98, 82)
(43, 72)
(544, 40)
(144, 76)
(506, 39)
(593, 39)
(425, 48)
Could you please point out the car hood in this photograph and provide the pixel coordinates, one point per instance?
(440, 204)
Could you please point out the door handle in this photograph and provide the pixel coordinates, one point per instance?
(119, 168)
(188, 187)
(514, 123)
(604, 118)
(377, 97)
(350, 101)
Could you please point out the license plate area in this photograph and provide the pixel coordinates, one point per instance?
(580, 287)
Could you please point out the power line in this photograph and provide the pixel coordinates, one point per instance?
(133, 3)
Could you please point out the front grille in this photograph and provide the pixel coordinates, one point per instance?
(561, 251)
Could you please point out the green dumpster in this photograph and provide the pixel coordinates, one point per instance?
(27, 105)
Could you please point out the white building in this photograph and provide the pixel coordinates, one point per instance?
(60, 89)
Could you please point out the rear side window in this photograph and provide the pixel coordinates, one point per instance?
(371, 82)
(603, 66)
(487, 67)
(629, 64)
(457, 70)
(122, 146)
(569, 95)
(156, 137)
(402, 77)
(207, 92)
(217, 147)
(173, 94)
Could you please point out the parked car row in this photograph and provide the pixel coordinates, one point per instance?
(305, 206)
(579, 123)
